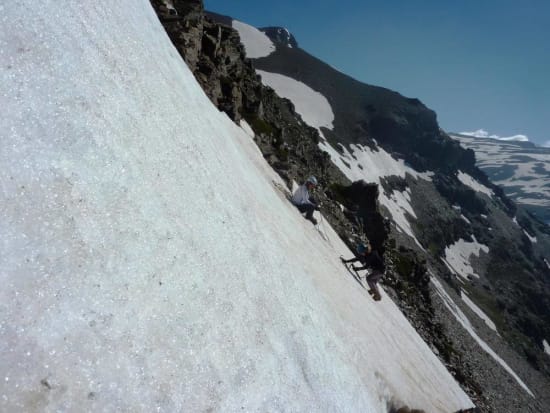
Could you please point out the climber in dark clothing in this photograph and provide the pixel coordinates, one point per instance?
(370, 259)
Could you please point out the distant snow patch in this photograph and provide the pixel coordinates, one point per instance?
(478, 311)
(547, 263)
(375, 164)
(371, 165)
(532, 239)
(312, 106)
(546, 346)
(481, 133)
(256, 43)
(463, 320)
(472, 183)
(457, 257)
(465, 219)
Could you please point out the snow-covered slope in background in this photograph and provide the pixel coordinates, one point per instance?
(522, 169)
(256, 43)
(311, 105)
(463, 320)
(147, 263)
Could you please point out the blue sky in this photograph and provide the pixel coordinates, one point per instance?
(478, 64)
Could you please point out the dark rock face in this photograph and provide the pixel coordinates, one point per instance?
(280, 36)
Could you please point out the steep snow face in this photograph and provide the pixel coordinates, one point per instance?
(463, 320)
(458, 255)
(147, 262)
(312, 106)
(478, 311)
(256, 43)
(475, 185)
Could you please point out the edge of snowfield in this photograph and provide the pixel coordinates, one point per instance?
(147, 263)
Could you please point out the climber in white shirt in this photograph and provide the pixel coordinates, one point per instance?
(302, 199)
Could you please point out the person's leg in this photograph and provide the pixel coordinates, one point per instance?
(308, 209)
(372, 281)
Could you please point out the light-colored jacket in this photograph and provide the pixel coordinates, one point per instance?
(301, 196)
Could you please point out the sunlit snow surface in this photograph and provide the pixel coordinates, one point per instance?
(472, 183)
(478, 311)
(256, 43)
(458, 255)
(311, 105)
(147, 263)
(463, 320)
(532, 239)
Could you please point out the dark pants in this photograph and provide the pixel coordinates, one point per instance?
(372, 280)
(308, 209)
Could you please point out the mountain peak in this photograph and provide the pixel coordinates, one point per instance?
(280, 36)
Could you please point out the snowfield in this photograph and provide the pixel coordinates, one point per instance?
(147, 262)
(458, 255)
(312, 106)
(522, 171)
(256, 43)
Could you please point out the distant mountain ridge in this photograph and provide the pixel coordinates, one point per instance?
(522, 169)
(280, 36)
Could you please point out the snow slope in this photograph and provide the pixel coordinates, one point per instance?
(478, 311)
(465, 323)
(147, 263)
(256, 43)
(311, 105)
(458, 255)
